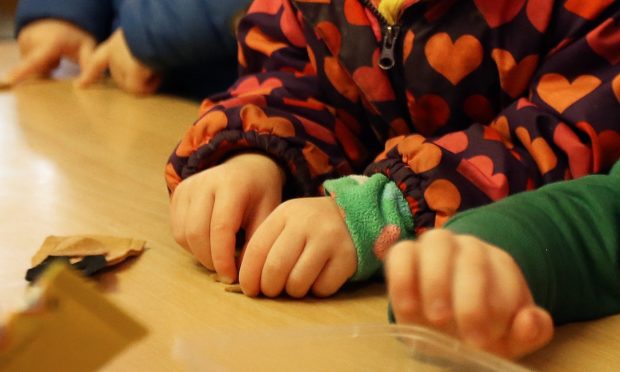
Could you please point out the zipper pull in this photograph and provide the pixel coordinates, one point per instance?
(386, 60)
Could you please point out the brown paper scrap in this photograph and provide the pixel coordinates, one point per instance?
(115, 249)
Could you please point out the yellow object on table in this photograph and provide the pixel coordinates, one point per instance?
(70, 326)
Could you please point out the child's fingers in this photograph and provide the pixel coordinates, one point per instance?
(306, 270)
(139, 82)
(436, 263)
(508, 291)
(469, 291)
(256, 253)
(531, 329)
(178, 211)
(85, 53)
(256, 215)
(95, 67)
(38, 62)
(196, 224)
(337, 271)
(280, 260)
(402, 273)
(226, 219)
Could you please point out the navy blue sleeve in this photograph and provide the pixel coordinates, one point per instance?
(94, 16)
(166, 34)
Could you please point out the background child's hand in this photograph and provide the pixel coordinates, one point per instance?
(128, 73)
(43, 43)
(466, 287)
(304, 244)
(208, 208)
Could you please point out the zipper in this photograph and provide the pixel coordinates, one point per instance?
(390, 36)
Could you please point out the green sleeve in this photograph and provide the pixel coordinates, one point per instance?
(566, 239)
(377, 215)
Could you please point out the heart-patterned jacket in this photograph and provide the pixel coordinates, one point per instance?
(486, 98)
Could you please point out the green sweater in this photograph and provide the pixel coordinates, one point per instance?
(565, 237)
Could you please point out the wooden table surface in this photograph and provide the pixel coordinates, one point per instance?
(92, 161)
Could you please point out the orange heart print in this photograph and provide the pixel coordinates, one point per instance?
(559, 93)
(454, 61)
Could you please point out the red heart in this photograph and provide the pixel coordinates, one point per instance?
(605, 41)
(498, 12)
(340, 78)
(479, 171)
(374, 82)
(588, 9)
(539, 13)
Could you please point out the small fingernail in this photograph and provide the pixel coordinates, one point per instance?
(225, 279)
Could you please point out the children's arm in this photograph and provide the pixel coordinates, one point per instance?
(565, 239)
(128, 72)
(164, 35)
(93, 16)
(277, 107)
(42, 45)
(468, 288)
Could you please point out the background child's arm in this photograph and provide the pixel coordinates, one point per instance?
(44, 43)
(164, 35)
(114, 55)
(95, 17)
(468, 288)
(566, 240)
(48, 31)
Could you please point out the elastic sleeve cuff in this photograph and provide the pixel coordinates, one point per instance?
(377, 216)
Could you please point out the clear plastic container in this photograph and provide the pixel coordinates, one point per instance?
(329, 348)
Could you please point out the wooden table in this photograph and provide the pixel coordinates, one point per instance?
(92, 161)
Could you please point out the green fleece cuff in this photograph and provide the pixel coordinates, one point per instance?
(376, 214)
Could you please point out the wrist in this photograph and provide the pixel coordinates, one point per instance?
(261, 164)
(377, 216)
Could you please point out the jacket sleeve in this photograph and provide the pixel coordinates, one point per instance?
(565, 239)
(165, 34)
(94, 16)
(276, 107)
(565, 128)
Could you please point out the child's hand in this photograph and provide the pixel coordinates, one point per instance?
(304, 244)
(43, 43)
(208, 208)
(466, 287)
(128, 73)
